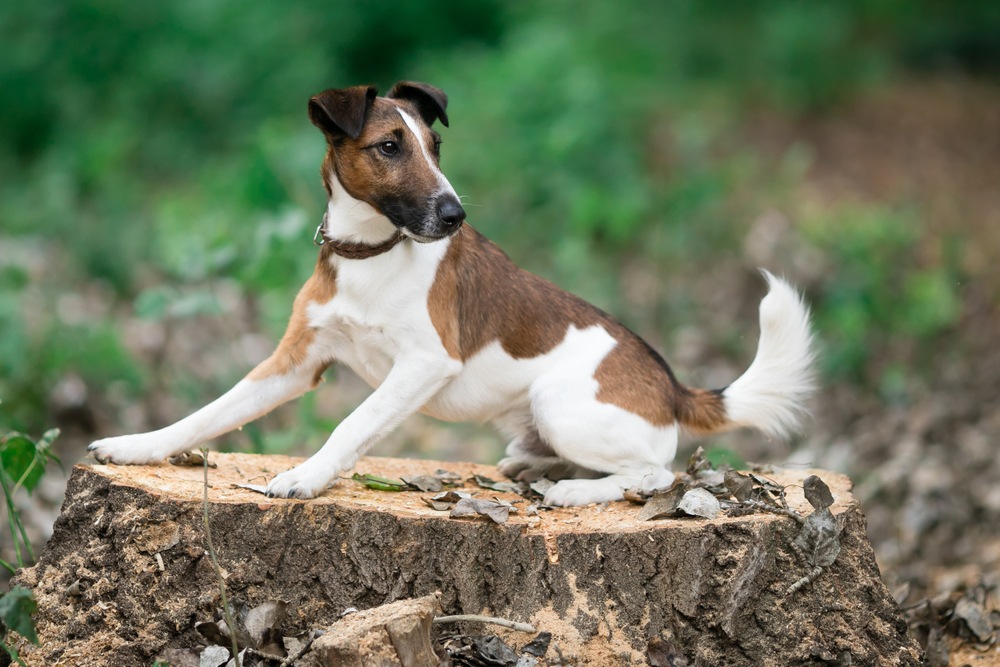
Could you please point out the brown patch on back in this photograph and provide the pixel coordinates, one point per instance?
(293, 349)
(480, 296)
(632, 377)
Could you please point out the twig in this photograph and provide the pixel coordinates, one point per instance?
(218, 570)
(812, 576)
(773, 509)
(475, 618)
(290, 660)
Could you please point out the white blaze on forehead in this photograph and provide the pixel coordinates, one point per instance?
(415, 130)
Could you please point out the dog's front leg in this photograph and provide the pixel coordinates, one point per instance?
(412, 382)
(275, 381)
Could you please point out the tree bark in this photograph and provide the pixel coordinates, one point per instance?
(125, 576)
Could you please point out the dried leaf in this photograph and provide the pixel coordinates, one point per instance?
(739, 485)
(190, 459)
(262, 624)
(541, 486)
(214, 656)
(975, 617)
(817, 492)
(819, 538)
(212, 632)
(636, 495)
(376, 483)
(494, 651)
(438, 505)
(539, 645)
(446, 500)
(242, 661)
(424, 483)
(447, 477)
(769, 489)
(492, 484)
(699, 502)
(713, 480)
(663, 505)
(498, 512)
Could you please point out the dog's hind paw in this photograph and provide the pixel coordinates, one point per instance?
(577, 492)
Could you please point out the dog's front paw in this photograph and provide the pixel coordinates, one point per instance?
(139, 449)
(300, 482)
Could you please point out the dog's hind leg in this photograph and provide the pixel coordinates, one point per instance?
(529, 458)
(599, 437)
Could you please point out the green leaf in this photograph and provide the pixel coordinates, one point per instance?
(17, 454)
(16, 610)
(376, 483)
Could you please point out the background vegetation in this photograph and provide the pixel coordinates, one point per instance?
(159, 189)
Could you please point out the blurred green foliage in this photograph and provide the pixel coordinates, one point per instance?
(149, 149)
(876, 294)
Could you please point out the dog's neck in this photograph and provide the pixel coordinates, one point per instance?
(352, 221)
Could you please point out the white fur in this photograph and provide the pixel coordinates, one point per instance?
(246, 401)
(350, 219)
(769, 395)
(431, 164)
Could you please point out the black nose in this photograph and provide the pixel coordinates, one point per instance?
(450, 212)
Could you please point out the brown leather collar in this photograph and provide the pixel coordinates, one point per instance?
(350, 250)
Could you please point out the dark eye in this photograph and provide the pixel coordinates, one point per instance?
(389, 148)
(437, 148)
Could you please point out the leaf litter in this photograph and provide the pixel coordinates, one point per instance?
(258, 631)
(492, 651)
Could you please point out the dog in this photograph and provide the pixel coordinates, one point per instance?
(438, 320)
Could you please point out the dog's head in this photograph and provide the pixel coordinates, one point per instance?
(383, 152)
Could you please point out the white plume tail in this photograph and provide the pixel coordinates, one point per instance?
(770, 395)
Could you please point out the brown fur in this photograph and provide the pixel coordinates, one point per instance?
(294, 346)
(480, 296)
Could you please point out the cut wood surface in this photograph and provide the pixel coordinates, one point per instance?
(125, 576)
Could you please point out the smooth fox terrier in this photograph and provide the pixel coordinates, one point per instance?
(439, 320)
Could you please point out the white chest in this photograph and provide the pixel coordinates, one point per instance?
(379, 311)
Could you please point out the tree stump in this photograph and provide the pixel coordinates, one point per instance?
(126, 577)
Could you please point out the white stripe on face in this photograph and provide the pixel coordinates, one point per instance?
(415, 130)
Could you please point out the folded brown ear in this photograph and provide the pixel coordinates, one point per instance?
(431, 102)
(341, 111)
